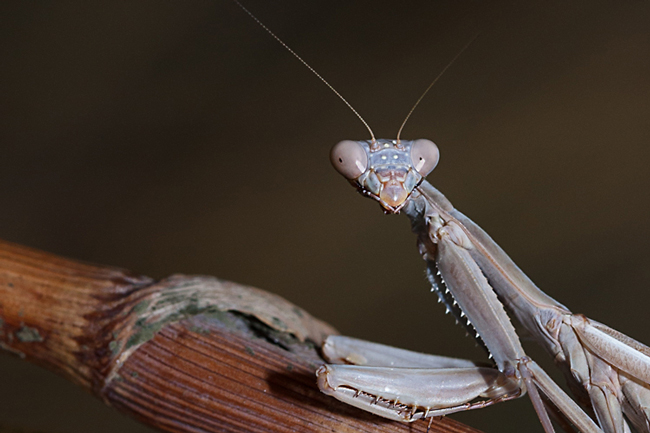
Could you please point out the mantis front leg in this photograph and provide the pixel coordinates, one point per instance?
(397, 383)
(434, 388)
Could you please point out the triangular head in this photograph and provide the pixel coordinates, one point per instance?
(385, 170)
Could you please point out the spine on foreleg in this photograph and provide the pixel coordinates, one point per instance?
(451, 306)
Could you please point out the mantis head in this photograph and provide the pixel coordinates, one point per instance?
(385, 170)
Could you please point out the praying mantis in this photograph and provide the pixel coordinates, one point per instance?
(479, 284)
(476, 280)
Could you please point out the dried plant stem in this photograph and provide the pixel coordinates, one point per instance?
(185, 354)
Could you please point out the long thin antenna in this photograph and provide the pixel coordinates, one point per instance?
(308, 67)
(432, 83)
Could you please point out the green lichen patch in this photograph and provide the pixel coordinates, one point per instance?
(282, 339)
(200, 330)
(114, 347)
(183, 297)
(249, 350)
(145, 333)
(29, 335)
(279, 324)
(224, 317)
(141, 307)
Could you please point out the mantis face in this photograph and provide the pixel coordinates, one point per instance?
(385, 170)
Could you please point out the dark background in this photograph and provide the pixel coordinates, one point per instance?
(170, 137)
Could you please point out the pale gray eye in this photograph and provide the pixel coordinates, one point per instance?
(349, 158)
(424, 156)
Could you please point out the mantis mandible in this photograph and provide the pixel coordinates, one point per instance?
(608, 372)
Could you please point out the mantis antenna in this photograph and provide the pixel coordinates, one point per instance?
(432, 83)
(310, 68)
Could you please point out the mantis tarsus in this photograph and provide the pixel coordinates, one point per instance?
(611, 372)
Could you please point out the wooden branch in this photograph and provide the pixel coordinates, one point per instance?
(185, 354)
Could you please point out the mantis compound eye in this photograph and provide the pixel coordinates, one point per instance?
(349, 158)
(424, 156)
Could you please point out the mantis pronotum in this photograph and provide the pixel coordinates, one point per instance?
(613, 370)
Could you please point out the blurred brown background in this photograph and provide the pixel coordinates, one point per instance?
(172, 137)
